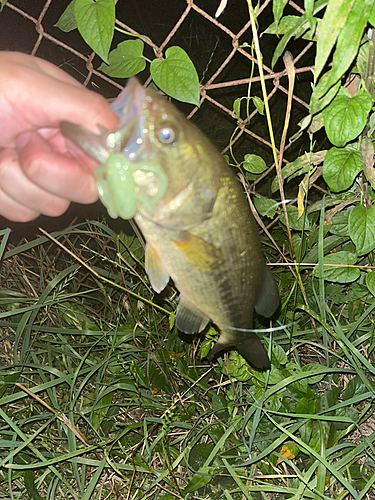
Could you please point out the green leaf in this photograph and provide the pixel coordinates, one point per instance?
(199, 454)
(362, 59)
(316, 124)
(236, 106)
(125, 60)
(286, 23)
(274, 402)
(219, 405)
(299, 166)
(313, 367)
(340, 224)
(295, 222)
(362, 228)
(29, 478)
(139, 375)
(299, 246)
(296, 31)
(370, 281)
(206, 345)
(278, 9)
(305, 405)
(198, 480)
(96, 24)
(332, 23)
(237, 367)
(258, 103)
(354, 15)
(339, 274)
(371, 18)
(67, 21)
(346, 117)
(329, 243)
(278, 353)
(355, 387)
(254, 164)
(274, 377)
(341, 167)
(266, 206)
(75, 315)
(309, 8)
(317, 102)
(176, 76)
(289, 450)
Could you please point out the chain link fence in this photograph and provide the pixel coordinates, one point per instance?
(219, 47)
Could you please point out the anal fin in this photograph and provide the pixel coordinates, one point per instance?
(189, 319)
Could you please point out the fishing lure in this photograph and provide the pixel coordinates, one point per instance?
(118, 189)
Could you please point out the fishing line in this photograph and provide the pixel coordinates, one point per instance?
(261, 330)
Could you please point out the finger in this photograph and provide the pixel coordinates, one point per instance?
(61, 101)
(15, 212)
(31, 99)
(15, 185)
(60, 144)
(33, 63)
(55, 173)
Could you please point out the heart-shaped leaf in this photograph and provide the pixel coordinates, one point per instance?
(67, 21)
(362, 228)
(254, 164)
(341, 167)
(125, 60)
(96, 24)
(340, 224)
(266, 206)
(339, 274)
(345, 117)
(176, 76)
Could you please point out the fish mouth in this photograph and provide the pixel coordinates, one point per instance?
(131, 99)
(128, 137)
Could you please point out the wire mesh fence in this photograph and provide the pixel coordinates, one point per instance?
(219, 47)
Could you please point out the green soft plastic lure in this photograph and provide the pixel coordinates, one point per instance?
(118, 190)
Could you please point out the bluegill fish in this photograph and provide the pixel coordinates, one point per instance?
(160, 169)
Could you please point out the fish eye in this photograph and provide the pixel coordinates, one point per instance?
(167, 134)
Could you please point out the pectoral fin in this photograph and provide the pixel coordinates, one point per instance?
(155, 269)
(189, 319)
(268, 300)
(247, 344)
(198, 252)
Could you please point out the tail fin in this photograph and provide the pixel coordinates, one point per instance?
(247, 344)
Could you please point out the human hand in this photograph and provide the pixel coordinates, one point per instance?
(40, 172)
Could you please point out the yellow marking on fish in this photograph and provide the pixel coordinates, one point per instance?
(198, 252)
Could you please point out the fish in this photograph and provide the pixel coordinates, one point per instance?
(161, 170)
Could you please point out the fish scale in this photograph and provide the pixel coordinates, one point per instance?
(193, 213)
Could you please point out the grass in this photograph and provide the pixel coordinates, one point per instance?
(127, 410)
